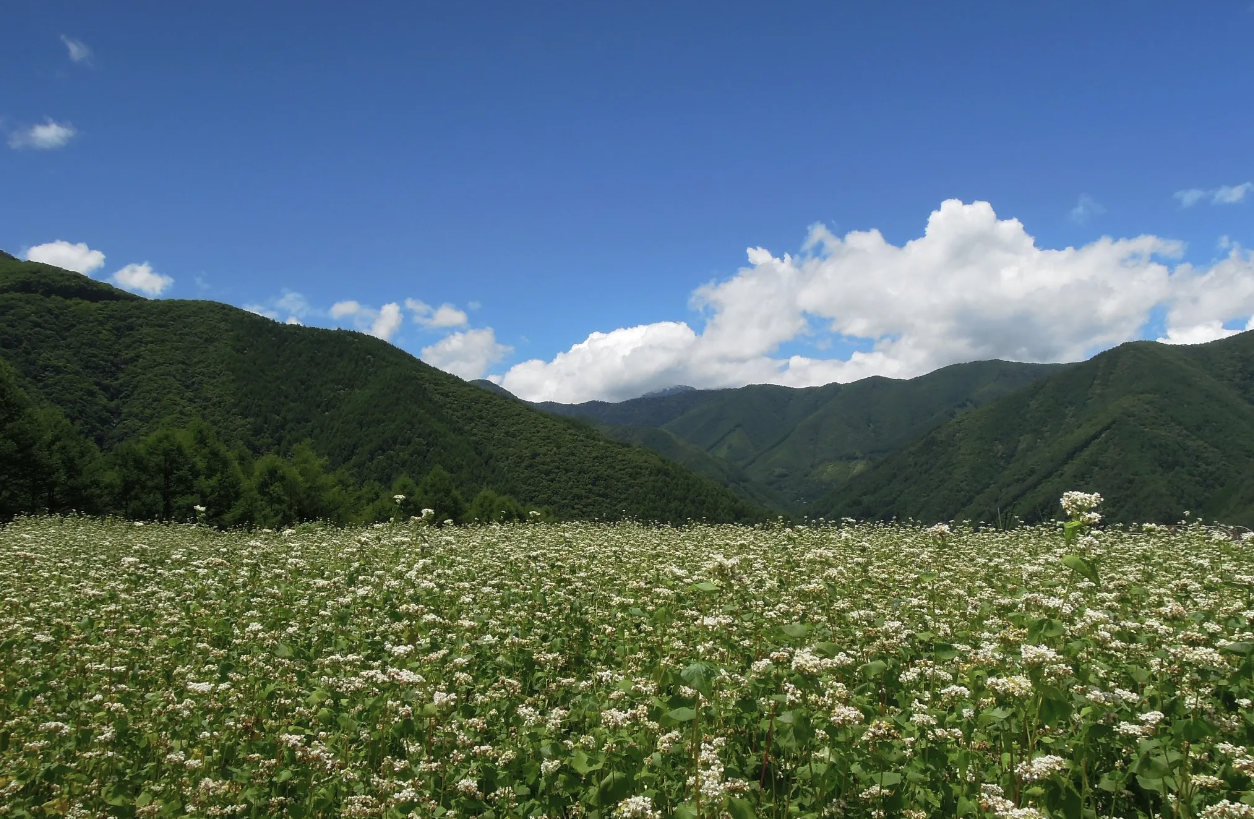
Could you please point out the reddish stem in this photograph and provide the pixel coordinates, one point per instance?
(766, 757)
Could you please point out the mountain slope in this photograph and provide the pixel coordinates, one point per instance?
(119, 366)
(674, 448)
(1157, 430)
(797, 444)
(645, 411)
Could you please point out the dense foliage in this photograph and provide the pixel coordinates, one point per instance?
(119, 368)
(617, 670)
(1159, 430)
(788, 447)
(190, 475)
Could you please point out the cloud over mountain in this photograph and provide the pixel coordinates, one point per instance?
(141, 278)
(77, 257)
(973, 286)
(467, 354)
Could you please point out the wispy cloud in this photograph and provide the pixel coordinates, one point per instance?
(446, 315)
(1231, 194)
(294, 304)
(45, 137)
(1086, 208)
(79, 52)
(1222, 195)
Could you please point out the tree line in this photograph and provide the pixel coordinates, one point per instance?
(188, 474)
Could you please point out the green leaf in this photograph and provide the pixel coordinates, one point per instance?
(1083, 567)
(1072, 803)
(1195, 730)
(1237, 648)
(1055, 711)
(740, 808)
(1152, 766)
(874, 668)
(682, 715)
(827, 649)
(993, 715)
(1049, 627)
(886, 779)
(706, 586)
(282, 651)
(583, 764)
(797, 630)
(699, 676)
(615, 787)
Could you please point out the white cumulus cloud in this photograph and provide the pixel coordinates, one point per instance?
(1222, 195)
(1202, 300)
(43, 137)
(79, 52)
(382, 323)
(141, 278)
(387, 322)
(345, 308)
(467, 354)
(77, 257)
(972, 287)
(1197, 334)
(446, 315)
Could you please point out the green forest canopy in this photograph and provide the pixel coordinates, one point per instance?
(120, 369)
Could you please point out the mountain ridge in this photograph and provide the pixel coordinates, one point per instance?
(120, 366)
(1156, 429)
(795, 444)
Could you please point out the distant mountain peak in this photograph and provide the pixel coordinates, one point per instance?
(491, 386)
(669, 391)
(8, 256)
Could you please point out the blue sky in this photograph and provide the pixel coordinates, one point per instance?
(557, 170)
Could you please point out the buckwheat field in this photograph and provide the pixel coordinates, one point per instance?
(626, 671)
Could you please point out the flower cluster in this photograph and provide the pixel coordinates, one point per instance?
(633, 671)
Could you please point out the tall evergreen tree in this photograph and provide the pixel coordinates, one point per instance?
(438, 492)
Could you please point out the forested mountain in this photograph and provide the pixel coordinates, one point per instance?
(788, 447)
(119, 368)
(111, 402)
(1158, 430)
